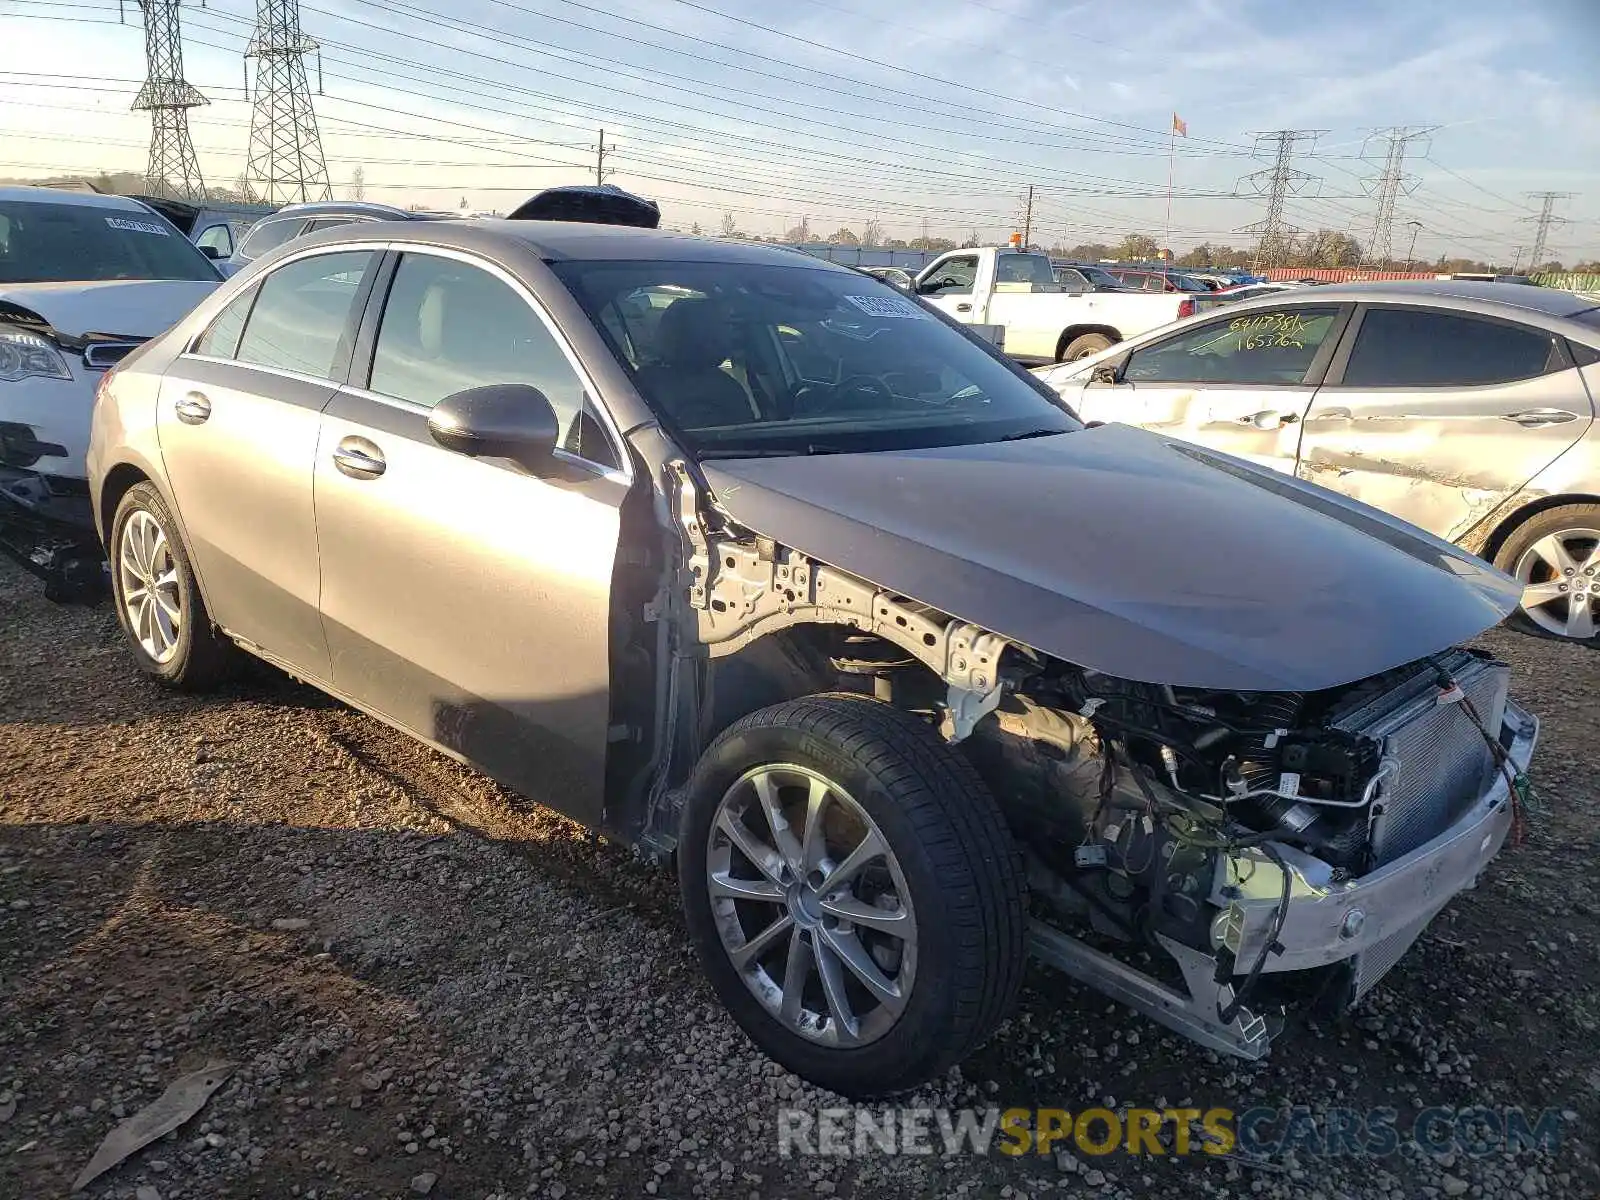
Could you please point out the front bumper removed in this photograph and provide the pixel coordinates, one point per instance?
(47, 527)
(1362, 926)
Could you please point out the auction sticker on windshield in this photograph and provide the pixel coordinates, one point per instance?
(136, 226)
(885, 306)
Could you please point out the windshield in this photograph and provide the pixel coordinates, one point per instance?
(75, 243)
(1099, 277)
(746, 359)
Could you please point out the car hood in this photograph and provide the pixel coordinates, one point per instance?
(117, 308)
(1130, 554)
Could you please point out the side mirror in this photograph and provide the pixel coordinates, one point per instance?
(211, 252)
(1106, 373)
(500, 420)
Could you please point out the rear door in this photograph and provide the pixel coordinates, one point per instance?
(238, 421)
(1238, 383)
(1436, 415)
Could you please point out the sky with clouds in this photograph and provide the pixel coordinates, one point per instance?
(936, 115)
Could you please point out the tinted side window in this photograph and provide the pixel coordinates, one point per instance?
(221, 338)
(1397, 347)
(1270, 346)
(328, 223)
(953, 277)
(218, 238)
(268, 235)
(303, 312)
(448, 326)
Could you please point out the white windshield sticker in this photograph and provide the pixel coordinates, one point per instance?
(136, 226)
(886, 306)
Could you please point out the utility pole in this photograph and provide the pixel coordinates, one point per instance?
(1390, 183)
(1516, 259)
(1543, 222)
(173, 169)
(1027, 218)
(1411, 249)
(1278, 182)
(601, 154)
(285, 162)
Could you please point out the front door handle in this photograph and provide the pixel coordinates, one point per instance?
(1269, 418)
(1533, 418)
(359, 458)
(963, 308)
(193, 409)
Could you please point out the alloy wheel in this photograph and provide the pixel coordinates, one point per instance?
(1560, 577)
(150, 591)
(811, 905)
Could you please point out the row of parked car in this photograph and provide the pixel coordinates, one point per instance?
(781, 576)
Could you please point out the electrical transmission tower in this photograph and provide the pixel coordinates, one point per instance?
(1388, 186)
(285, 162)
(1546, 218)
(173, 170)
(1278, 182)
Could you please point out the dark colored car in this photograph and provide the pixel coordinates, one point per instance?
(778, 575)
(1157, 281)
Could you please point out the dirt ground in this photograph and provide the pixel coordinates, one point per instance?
(427, 986)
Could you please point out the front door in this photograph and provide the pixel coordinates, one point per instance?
(466, 599)
(950, 286)
(238, 420)
(1239, 384)
(1438, 416)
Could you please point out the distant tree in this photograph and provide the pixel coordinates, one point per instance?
(843, 237)
(872, 233)
(358, 183)
(1136, 247)
(1199, 256)
(1326, 248)
(895, 244)
(1588, 268)
(1089, 251)
(798, 233)
(931, 244)
(1547, 268)
(972, 240)
(730, 227)
(695, 229)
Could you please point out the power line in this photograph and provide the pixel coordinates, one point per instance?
(167, 96)
(1278, 182)
(1391, 183)
(285, 160)
(1543, 222)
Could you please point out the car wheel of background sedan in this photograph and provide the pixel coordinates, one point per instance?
(1556, 557)
(158, 603)
(1087, 344)
(853, 892)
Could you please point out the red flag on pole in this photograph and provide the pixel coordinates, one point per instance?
(1180, 126)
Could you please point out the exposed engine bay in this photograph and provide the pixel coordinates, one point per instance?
(1272, 849)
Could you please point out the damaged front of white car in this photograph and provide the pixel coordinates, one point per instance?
(85, 279)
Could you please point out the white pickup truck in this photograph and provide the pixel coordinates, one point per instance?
(1044, 321)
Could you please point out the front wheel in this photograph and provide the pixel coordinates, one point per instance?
(852, 891)
(1555, 555)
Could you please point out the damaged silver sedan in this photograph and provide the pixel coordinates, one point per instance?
(768, 570)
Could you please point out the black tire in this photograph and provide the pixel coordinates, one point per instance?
(1084, 345)
(959, 864)
(1569, 523)
(201, 655)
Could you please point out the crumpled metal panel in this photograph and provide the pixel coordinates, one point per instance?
(1131, 554)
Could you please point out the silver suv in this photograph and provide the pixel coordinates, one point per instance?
(1466, 408)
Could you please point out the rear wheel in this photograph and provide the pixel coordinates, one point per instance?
(1555, 555)
(852, 891)
(157, 599)
(1085, 345)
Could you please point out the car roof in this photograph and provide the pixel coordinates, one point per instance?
(1473, 295)
(42, 195)
(557, 241)
(358, 208)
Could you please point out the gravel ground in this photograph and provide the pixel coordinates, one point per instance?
(429, 986)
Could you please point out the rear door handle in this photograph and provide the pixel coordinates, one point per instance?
(963, 308)
(359, 458)
(193, 409)
(1534, 417)
(1269, 419)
